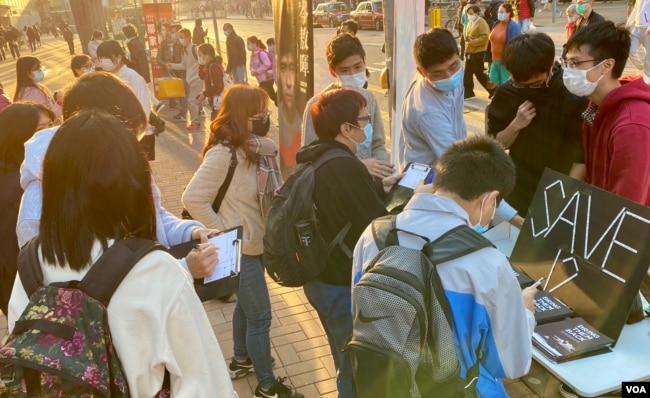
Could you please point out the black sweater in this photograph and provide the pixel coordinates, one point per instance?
(343, 191)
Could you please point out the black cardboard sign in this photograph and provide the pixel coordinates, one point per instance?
(591, 245)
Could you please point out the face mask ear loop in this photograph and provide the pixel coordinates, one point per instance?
(480, 216)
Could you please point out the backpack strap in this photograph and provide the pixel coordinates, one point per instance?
(331, 154)
(194, 53)
(107, 273)
(29, 267)
(383, 231)
(226, 183)
(455, 243)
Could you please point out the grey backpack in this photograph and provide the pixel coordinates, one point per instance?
(402, 343)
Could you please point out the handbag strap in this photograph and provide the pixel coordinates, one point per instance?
(226, 183)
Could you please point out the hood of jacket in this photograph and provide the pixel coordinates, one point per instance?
(633, 88)
(314, 150)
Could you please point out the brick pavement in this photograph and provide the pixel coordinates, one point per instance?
(298, 340)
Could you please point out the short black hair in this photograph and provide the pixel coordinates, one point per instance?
(473, 166)
(529, 54)
(129, 31)
(77, 62)
(334, 108)
(97, 34)
(475, 9)
(434, 48)
(605, 40)
(96, 186)
(352, 25)
(341, 47)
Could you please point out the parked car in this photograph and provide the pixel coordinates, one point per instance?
(331, 14)
(369, 14)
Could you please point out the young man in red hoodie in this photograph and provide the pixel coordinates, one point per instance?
(616, 127)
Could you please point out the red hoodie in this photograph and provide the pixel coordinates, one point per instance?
(617, 145)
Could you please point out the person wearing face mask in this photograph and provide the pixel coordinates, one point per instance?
(270, 44)
(343, 192)
(504, 30)
(261, 66)
(572, 17)
(490, 313)
(476, 41)
(347, 64)
(536, 117)
(432, 114)
(29, 75)
(95, 41)
(112, 59)
(190, 65)
(236, 51)
(213, 81)
(586, 14)
(81, 64)
(616, 125)
(240, 129)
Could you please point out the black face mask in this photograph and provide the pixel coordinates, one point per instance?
(261, 126)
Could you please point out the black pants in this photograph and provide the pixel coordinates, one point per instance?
(267, 86)
(15, 52)
(148, 146)
(71, 47)
(474, 67)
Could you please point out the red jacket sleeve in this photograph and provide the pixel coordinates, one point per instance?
(629, 173)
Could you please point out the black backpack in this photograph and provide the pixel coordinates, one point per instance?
(294, 250)
(402, 343)
(61, 345)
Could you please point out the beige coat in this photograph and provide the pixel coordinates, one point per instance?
(240, 206)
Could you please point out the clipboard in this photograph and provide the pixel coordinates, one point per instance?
(230, 246)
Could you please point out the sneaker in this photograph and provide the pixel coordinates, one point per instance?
(180, 116)
(193, 126)
(238, 369)
(279, 390)
(159, 107)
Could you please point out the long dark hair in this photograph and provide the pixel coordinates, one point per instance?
(96, 186)
(112, 49)
(231, 124)
(19, 121)
(24, 67)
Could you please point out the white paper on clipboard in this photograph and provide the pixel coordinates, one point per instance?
(229, 243)
(414, 172)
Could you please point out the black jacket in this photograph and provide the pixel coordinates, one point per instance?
(552, 139)
(236, 51)
(10, 194)
(343, 191)
(594, 17)
(139, 61)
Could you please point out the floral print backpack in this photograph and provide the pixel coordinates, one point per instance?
(61, 345)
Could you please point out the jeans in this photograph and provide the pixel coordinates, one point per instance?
(239, 74)
(525, 25)
(251, 320)
(334, 307)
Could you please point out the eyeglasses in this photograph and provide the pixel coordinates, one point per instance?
(364, 118)
(533, 86)
(263, 116)
(572, 64)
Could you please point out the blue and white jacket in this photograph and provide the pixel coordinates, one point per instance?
(483, 293)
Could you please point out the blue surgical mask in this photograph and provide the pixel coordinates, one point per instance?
(182, 41)
(501, 16)
(89, 70)
(479, 227)
(249, 47)
(449, 84)
(367, 132)
(39, 76)
(173, 36)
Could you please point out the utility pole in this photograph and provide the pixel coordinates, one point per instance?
(215, 26)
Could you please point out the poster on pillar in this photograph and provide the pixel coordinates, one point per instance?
(154, 16)
(409, 24)
(295, 78)
(590, 245)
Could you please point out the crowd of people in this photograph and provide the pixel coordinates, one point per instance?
(77, 180)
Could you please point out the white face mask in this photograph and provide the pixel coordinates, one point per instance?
(201, 61)
(106, 64)
(472, 17)
(358, 80)
(575, 80)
